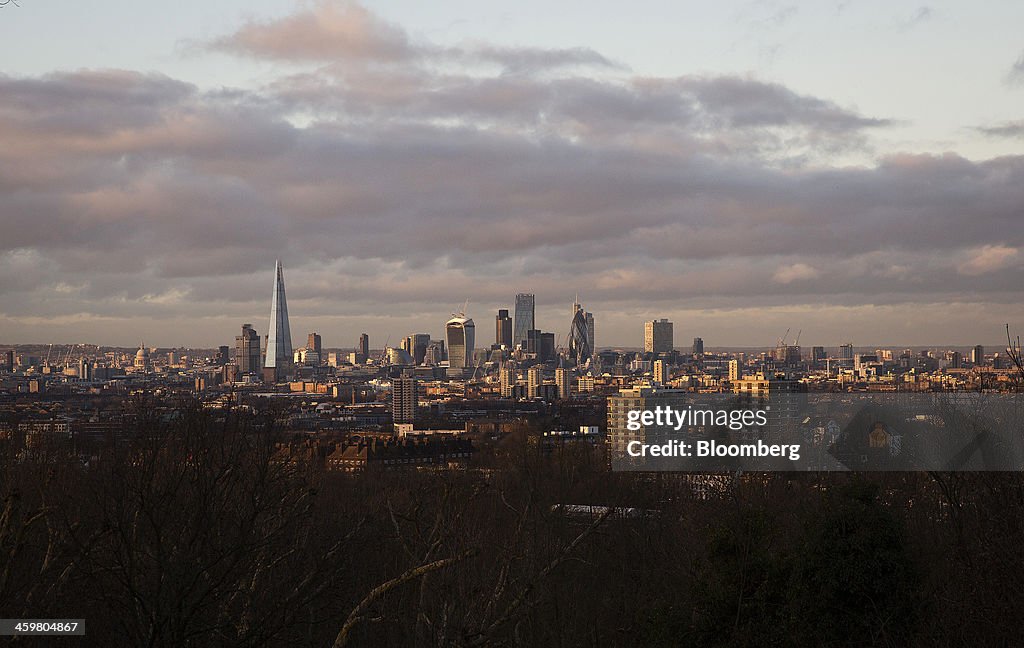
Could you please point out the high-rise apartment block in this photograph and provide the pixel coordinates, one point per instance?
(403, 400)
(562, 382)
(661, 372)
(507, 376)
(534, 379)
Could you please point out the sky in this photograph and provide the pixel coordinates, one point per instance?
(852, 169)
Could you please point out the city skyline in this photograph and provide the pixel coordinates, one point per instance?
(398, 168)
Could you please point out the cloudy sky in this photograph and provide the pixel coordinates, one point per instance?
(854, 168)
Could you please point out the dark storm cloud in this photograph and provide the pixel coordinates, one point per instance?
(390, 188)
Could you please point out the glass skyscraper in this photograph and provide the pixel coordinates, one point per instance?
(524, 321)
(279, 335)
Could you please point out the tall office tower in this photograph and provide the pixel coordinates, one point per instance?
(364, 346)
(247, 350)
(315, 343)
(698, 346)
(503, 329)
(223, 355)
(525, 305)
(590, 333)
(507, 375)
(978, 356)
(661, 372)
(846, 352)
(562, 381)
(279, 335)
(172, 358)
(416, 345)
(7, 363)
(461, 334)
(403, 400)
(534, 379)
(579, 335)
(658, 336)
(734, 370)
(818, 353)
(546, 350)
(532, 342)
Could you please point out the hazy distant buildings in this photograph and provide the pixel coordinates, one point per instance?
(7, 360)
(818, 354)
(954, 360)
(461, 334)
(279, 335)
(698, 346)
(503, 329)
(223, 355)
(247, 350)
(658, 336)
(525, 318)
(846, 352)
(978, 355)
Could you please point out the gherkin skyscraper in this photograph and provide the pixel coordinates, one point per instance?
(279, 335)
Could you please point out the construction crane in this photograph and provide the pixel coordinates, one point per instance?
(782, 340)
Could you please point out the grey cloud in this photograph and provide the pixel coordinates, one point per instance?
(743, 103)
(1006, 129)
(1016, 73)
(331, 31)
(325, 31)
(409, 191)
(530, 59)
(920, 15)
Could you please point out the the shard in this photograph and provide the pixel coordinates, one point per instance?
(279, 335)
